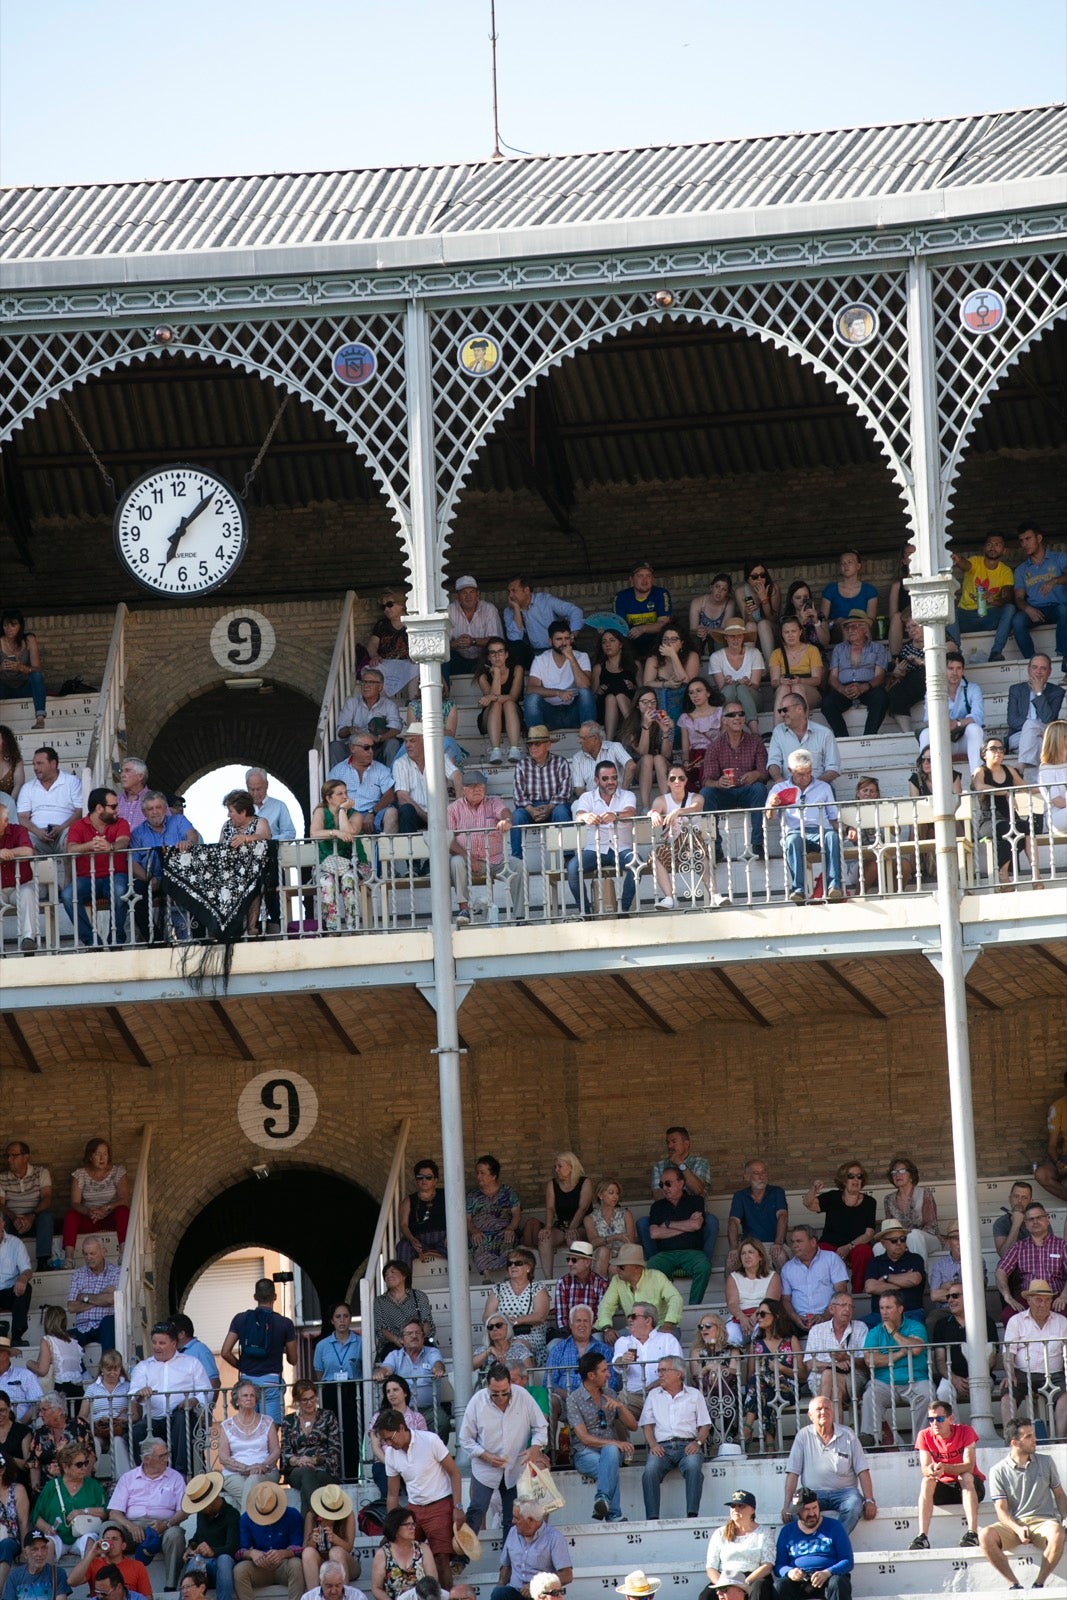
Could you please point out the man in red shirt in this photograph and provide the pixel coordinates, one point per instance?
(102, 865)
(16, 879)
(950, 1478)
(112, 1548)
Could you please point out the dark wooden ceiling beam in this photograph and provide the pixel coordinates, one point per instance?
(980, 997)
(546, 1011)
(334, 1023)
(229, 1027)
(122, 1028)
(21, 1044)
(636, 998)
(850, 988)
(738, 995)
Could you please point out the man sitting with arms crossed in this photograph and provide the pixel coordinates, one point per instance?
(676, 1226)
(949, 1475)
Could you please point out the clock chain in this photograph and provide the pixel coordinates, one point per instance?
(264, 447)
(80, 431)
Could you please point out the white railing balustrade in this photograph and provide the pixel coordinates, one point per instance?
(551, 872)
(109, 723)
(131, 1311)
(341, 682)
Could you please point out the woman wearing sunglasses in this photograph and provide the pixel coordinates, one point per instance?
(501, 1345)
(773, 1368)
(681, 860)
(715, 1368)
(523, 1302)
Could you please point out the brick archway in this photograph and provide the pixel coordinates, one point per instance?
(272, 728)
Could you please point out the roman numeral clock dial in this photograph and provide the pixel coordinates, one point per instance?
(180, 531)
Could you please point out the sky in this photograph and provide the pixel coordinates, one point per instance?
(99, 90)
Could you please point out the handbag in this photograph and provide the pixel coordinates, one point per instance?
(537, 1483)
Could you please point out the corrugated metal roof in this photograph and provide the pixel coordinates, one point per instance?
(293, 209)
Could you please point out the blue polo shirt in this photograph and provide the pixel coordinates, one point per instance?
(281, 1535)
(339, 1362)
(175, 828)
(911, 1366)
(759, 1217)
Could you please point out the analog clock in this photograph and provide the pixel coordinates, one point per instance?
(180, 530)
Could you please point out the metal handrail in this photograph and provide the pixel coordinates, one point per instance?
(129, 1309)
(383, 1244)
(110, 708)
(340, 681)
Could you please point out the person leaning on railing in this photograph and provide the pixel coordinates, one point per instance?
(1034, 1344)
(17, 887)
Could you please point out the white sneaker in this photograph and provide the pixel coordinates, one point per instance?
(495, 757)
(514, 754)
(666, 904)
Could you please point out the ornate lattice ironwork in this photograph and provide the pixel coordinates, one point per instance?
(969, 366)
(295, 353)
(797, 315)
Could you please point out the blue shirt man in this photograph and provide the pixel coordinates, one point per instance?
(1040, 592)
(149, 840)
(276, 812)
(811, 1545)
(759, 1212)
(528, 616)
(369, 783)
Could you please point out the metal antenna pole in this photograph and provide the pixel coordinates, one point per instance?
(497, 152)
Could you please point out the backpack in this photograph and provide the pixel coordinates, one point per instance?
(257, 1333)
(371, 1519)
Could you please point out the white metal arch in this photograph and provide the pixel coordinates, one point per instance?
(448, 506)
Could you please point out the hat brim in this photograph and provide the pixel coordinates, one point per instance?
(323, 1511)
(639, 1594)
(720, 635)
(465, 1542)
(265, 1519)
(189, 1505)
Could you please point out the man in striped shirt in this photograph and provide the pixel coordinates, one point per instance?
(91, 1296)
(1038, 1254)
(478, 823)
(542, 786)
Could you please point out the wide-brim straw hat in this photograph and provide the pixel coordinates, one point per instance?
(637, 1584)
(734, 627)
(539, 731)
(890, 1233)
(331, 1502)
(200, 1492)
(630, 1255)
(1037, 1286)
(267, 1504)
(465, 1542)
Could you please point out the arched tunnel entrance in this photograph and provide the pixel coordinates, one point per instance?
(323, 1221)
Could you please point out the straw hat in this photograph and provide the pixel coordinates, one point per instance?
(630, 1255)
(539, 731)
(412, 731)
(635, 1584)
(267, 1504)
(731, 629)
(1037, 1286)
(891, 1232)
(465, 1542)
(331, 1502)
(202, 1490)
(856, 615)
(581, 1247)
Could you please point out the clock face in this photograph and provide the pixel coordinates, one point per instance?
(180, 530)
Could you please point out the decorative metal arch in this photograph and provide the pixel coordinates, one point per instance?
(970, 369)
(295, 354)
(796, 316)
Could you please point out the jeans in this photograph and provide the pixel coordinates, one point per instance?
(1002, 617)
(797, 845)
(657, 1467)
(536, 709)
(32, 685)
(41, 1233)
(847, 1504)
(838, 1587)
(748, 797)
(103, 1334)
(608, 866)
(835, 704)
(521, 818)
(271, 1385)
(1020, 627)
(89, 889)
(707, 1242)
(480, 1496)
(603, 1465)
(219, 1571)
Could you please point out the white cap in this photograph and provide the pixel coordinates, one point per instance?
(466, 582)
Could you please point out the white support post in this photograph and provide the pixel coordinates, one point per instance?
(427, 625)
(932, 594)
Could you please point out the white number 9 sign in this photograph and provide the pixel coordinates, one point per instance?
(277, 1110)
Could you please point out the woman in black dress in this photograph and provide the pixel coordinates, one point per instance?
(422, 1218)
(851, 1218)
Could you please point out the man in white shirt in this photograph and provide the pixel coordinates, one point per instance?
(559, 690)
(409, 781)
(1035, 1343)
(473, 621)
(275, 811)
(638, 1353)
(608, 813)
(16, 1270)
(595, 748)
(966, 713)
(676, 1424)
(794, 731)
(18, 1383)
(805, 809)
(361, 710)
(421, 1462)
(166, 1391)
(49, 802)
(833, 1354)
(503, 1428)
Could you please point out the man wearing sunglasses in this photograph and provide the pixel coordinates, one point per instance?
(949, 1474)
(735, 775)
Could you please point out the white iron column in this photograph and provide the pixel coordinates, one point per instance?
(427, 626)
(931, 596)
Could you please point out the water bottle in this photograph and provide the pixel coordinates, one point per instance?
(982, 596)
(494, 912)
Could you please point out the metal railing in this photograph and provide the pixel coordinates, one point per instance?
(383, 1244)
(109, 722)
(132, 1316)
(340, 684)
(553, 872)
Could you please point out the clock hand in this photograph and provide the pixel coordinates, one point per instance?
(176, 536)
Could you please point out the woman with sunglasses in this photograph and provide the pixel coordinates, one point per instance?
(759, 602)
(681, 861)
(423, 1235)
(73, 1494)
(851, 1218)
(994, 780)
(743, 1551)
(523, 1302)
(501, 1345)
(914, 1207)
(774, 1364)
(716, 1372)
(499, 681)
(609, 1226)
(388, 646)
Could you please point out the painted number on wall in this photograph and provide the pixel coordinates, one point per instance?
(277, 1110)
(243, 641)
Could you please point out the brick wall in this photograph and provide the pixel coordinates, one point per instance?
(804, 1096)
